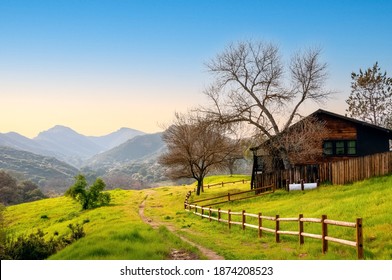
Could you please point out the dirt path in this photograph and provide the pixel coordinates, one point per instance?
(176, 254)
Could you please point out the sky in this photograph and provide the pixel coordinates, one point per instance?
(97, 66)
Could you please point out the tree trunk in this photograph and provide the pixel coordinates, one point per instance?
(199, 186)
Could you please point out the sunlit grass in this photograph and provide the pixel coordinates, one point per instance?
(370, 200)
(117, 232)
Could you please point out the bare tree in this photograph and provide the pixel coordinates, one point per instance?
(250, 87)
(303, 142)
(196, 147)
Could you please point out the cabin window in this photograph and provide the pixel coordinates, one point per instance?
(328, 148)
(352, 147)
(340, 147)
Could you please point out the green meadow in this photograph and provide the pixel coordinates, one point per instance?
(117, 231)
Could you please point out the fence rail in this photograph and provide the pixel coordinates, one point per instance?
(324, 237)
(231, 196)
(225, 183)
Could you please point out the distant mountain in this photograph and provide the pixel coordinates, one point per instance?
(116, 138)
(136, 149)
(68, 145)
(49, 173)
(20, 142)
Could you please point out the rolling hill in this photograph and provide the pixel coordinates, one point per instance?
(51, 174)
(139, 148)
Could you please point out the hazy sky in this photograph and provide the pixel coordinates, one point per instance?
(97, 66)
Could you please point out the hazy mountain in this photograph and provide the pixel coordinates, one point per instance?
(138, 148)
(68, 145)
(48, 172)
(20, 142)
(115, 138)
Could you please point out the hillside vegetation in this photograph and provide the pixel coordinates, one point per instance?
(117, 232)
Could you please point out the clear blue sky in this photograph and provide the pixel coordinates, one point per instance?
(97, 66)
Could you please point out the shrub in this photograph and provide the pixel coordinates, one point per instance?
(91, 197)
(35, 247)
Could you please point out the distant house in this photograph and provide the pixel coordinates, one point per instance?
(345, 138)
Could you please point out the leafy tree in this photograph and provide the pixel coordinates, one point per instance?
(9, 192)
(371, 96)
(195, 147)
(88, 197)
(250, 87)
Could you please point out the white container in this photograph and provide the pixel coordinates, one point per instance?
(307, 186)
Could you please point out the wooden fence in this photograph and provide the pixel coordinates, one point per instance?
(231, 196)
(324, 237)
(338, 172)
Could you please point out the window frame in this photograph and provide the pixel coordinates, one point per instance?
(340, 147)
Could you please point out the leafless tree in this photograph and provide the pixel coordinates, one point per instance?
(302, 142)
(250, 86)
(195, 147)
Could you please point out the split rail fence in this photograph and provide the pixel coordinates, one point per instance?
(231, 196)
(207, 212)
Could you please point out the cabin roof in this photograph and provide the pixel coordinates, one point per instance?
(355, 121)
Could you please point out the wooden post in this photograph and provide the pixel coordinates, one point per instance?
(229, 218)
(302, 185)
(300, 229)
(243, 219)
(228, 196)
(260, 225)
(359, 238)
(202, 212)
(195, 208)
(219, 215)
(324, 233)
(210, 214)
(277, 229)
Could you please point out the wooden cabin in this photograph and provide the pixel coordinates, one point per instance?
(346, 138)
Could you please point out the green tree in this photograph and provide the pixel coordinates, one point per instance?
(88, 197)
(371, 96)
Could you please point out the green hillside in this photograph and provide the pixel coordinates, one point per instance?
(117, 231)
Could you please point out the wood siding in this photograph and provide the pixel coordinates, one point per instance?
(338, 172)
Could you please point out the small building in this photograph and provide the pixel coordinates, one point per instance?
(345, 138)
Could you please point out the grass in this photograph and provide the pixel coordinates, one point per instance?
(371, 200)
(117, 232)
(112, 232)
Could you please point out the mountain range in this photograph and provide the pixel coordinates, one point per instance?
(119, 152)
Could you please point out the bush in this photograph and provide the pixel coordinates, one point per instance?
(35, 247)
(91, 197)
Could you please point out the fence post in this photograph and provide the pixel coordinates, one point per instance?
(324, 232)
(219, 215)
(202, 212)
(260, 224)
(210, 214)
(229, 218)
(228, 196)
(300, 229)
(302, 185)
(277, 229)
(195, 208)
(359, 238)
(243, 219)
